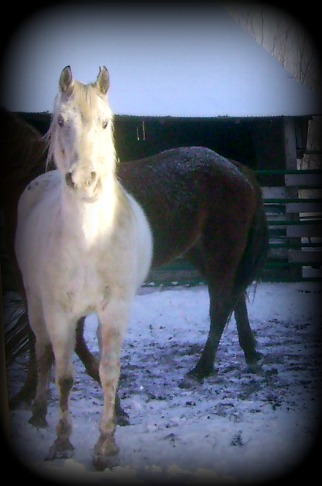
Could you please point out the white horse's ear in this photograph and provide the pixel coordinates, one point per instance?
(66, 80)
(103, 80)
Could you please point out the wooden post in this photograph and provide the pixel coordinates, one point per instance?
(291, 164)
(4, 391)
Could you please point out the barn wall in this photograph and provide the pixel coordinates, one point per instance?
(137, 137)
(258, 143)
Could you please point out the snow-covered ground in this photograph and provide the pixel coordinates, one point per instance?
(235, 427)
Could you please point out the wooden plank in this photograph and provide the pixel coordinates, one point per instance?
(274, 192)
(309, 230)
(303, 180)
(271, 172)
(305, 257)
(289, 138)
(295, 222)
(311, 274)
(303, 207)
(4, 394)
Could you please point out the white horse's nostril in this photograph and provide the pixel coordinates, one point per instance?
(90, 179)
(69, 180)
(85, 180)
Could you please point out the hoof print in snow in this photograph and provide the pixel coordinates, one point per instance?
(237, 440)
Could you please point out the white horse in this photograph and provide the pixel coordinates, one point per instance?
(83, 245)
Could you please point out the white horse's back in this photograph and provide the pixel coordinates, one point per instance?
(83, 245)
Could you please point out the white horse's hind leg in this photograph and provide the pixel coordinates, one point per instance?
(114, 321)
(63, 346)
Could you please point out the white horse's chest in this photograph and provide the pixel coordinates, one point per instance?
(88, 264)
(84, 289)
(77, 257)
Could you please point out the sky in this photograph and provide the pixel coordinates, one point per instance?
(190, 62)
(236, 427)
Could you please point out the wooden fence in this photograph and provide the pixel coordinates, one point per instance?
(295, 215)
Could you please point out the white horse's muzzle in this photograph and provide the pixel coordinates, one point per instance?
(84, 183)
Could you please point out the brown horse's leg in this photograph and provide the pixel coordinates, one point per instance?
(219, 266)
(87, 358)
(91, 364)
(246, 337)
(205, 365)
(219, 311)
(44, 361)
(27, 392)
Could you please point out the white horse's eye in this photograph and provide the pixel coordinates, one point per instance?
(104, 124)
(60, 120)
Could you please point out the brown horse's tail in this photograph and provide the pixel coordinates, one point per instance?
(255, 255)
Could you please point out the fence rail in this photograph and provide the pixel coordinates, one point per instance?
(294, 216)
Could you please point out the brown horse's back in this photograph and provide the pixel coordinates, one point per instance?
(23, 157)
(195, 194)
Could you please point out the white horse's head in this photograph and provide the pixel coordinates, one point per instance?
(81, 134)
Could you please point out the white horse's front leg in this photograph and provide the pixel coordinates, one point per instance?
(62, 335)
(114, 319)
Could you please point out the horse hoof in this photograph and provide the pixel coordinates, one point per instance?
(123, 419)
(190, 381)
(255, 366)
(105, 452)
(200, 372)
(101, 462)
(38, 421)
(61, 449)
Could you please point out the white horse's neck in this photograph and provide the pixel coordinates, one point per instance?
(88, 222)
(82, 146)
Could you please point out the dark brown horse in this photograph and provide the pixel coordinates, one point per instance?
(199, 205)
